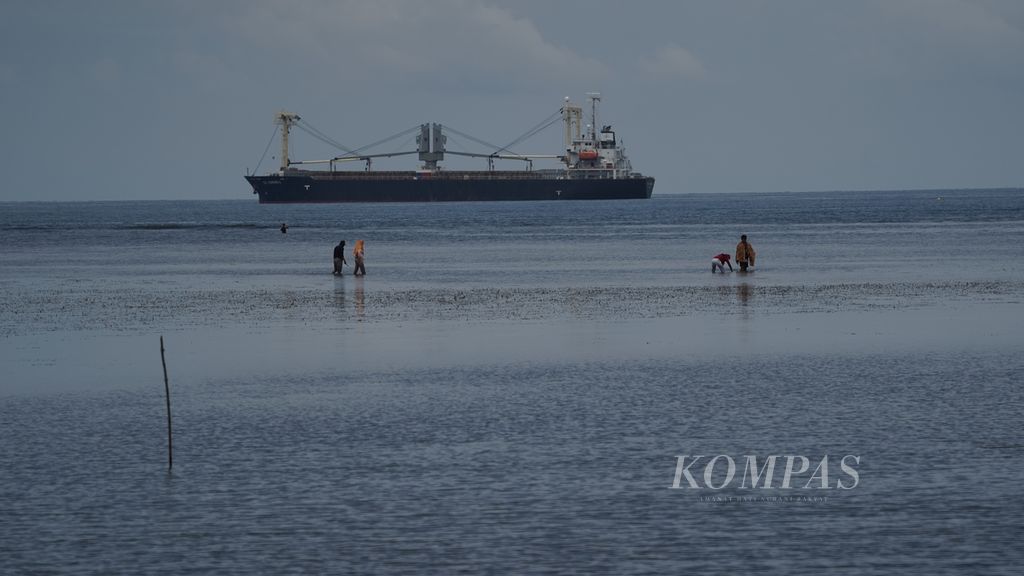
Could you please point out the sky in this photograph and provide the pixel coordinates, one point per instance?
(147, 100)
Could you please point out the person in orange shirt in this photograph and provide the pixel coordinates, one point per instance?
(745, 254)
(358, 254)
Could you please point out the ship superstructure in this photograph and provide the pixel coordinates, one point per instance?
(595, 167)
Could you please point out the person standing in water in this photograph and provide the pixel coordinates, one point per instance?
(339, 257)
(745, 254)
(357, 254)
(284, 228)
(718, 263)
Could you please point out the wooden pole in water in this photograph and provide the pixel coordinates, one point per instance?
(167, 391)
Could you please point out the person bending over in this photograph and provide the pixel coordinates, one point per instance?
(719, 263)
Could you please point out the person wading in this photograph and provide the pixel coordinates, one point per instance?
(357, 254)
(745, 254)
(339, 257)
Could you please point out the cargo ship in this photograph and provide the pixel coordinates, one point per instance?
(595, 168)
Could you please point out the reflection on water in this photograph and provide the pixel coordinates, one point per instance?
(339, 296)
(360, 299)
(743, 293)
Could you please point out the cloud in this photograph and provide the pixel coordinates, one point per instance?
(671, 62)
(106, 75)
(974, 21)
(985, 36)
(451, 44)
(8, 77)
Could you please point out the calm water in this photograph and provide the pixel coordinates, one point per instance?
(510, 387)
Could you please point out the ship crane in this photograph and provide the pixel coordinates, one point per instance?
(588, 153)
(285, 120)
(431, 147)
(497, 154)
(368, 158)
(528, 158)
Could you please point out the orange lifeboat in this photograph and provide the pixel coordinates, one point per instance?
(588, 154)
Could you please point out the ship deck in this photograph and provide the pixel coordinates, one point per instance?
(348, 175)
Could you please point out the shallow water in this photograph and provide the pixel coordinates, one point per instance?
(509, 388)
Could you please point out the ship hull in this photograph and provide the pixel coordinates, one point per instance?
(293, 189)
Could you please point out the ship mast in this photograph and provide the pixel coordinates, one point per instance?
(285, 120)
(594, 98)
(572, 115)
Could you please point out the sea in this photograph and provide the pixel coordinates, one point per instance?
(515, 388)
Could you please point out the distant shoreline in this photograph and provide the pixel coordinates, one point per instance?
(656, 195)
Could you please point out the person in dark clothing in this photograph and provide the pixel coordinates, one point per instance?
(284, 228)
(339, 257)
